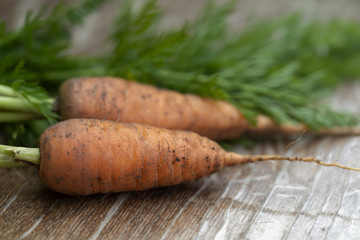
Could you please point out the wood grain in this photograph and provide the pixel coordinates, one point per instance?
(268, 200)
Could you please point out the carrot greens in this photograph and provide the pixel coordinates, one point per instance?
(277, 67)
(18, 156)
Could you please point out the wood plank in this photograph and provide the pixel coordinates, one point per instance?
(271, 200)
(267, 200)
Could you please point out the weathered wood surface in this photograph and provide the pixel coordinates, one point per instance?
(267, 200)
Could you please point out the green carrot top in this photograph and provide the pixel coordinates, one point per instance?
(278, 67)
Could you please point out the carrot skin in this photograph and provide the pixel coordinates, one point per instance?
(88, 156)
(120, 100)
(83, 157)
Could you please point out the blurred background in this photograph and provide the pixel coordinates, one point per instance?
(89, 38)
(287, 57)
(273, 200)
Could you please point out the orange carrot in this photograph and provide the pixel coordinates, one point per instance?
(83, 157)
(120, 100)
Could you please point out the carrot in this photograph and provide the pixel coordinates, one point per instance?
(83, 157)
(120, 100)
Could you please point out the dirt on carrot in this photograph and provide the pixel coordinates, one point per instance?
(124, 101)
(83, 157)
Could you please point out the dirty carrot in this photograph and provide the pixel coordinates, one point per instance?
(125, 101)
(120, 100)
(83, 157)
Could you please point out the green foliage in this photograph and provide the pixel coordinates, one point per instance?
(26, 133)
(279, 68)
(42, 40)
(35, 53)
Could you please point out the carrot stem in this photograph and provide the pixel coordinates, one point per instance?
(17, 116)
(236, 159)
(18, 156)
(7, 91)
(15, 104)
(15, 108)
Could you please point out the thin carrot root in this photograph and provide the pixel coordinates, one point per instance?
(266, 125)
(88, 156)
(341, 131)
(296, 141)
(232, 159)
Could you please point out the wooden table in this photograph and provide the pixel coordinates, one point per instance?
(267, 200)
